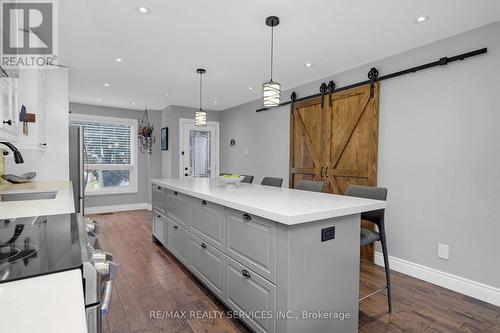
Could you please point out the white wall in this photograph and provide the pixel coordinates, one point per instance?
(438, 152)
(51, 164)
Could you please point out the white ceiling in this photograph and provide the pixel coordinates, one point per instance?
(161, 50)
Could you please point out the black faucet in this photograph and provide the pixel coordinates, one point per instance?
(18, 158)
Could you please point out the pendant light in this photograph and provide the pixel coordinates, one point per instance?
(271, 90)
(200, 116)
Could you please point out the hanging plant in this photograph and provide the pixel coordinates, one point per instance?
(145, 134)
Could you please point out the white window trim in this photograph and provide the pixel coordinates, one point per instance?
(133, 123)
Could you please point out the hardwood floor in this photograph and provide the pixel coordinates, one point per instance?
(150, 280)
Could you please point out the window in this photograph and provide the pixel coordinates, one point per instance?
(110, 153)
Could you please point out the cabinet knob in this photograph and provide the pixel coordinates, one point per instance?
(175, 193)
(203, 203)
(245, 273)
(203, 245)
(158, 187)
(246, 217)
(176, 227)
(8, 122)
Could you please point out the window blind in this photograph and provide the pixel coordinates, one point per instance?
(106, 143)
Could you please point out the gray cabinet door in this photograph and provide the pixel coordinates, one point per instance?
(178, 242)
(247, 291)
(208, 264)
(159, 227)
(176, 207)
(159, 199)
(251, 240)
(207, 221)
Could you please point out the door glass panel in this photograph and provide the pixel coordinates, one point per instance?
(199, 153)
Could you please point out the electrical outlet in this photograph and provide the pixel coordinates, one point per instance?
(443, 251)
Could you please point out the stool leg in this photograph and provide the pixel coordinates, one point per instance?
(387, 270)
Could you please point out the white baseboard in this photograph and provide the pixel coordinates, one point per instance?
(456, 283)
(116, 208)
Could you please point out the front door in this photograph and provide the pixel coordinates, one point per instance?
(199, 149)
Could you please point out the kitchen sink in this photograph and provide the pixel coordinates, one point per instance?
(27, 196)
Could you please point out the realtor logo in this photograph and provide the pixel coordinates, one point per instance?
(29, 34)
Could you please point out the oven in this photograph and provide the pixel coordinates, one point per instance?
(99, 271)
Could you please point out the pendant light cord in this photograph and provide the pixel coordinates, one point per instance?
(201, 96)
(272, 50)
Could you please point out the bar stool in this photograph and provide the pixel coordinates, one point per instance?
(271, 181)
(310, 185)
(370, 236)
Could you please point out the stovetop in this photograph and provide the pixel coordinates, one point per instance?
(32, 246)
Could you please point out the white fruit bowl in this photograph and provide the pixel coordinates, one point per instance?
(231, 180)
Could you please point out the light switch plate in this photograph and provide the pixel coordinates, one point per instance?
(443, 251)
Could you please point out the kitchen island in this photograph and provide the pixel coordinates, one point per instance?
(282, 260)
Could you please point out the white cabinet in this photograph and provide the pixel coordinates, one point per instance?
(208, 264)
(9, 109)
(251, 240)
(159, 199)
(160, 228)
(176, 206)
(207, 221)
(247, 291)
(178, 242)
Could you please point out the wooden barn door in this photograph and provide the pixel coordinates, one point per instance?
(337, 143)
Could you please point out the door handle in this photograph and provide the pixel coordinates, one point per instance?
(176, 227)
(321, 172)
(246, 217)
(175, 193)
(326, 172)
(203, 203)
(203, 245)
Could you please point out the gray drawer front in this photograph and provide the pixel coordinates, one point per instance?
(159, 227)
(252, 242)
(207, 221)
(178, 242)
(159, 199)
(250, 293)
(208, 264)
(176, 207)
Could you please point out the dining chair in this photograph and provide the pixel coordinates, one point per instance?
(271, 181)
(310, 185)
(370, 236)
(247, 179)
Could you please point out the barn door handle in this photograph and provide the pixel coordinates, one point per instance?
(321, 172)
(326, 172)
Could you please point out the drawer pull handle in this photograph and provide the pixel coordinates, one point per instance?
(246, 217)
(203, 203)
(175, 193)
(176, 227)
(203, 245)
(245, 273)
(158, 216)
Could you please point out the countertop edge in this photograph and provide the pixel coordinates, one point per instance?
(283, 219)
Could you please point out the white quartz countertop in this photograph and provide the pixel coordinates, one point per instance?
(62, 204)
(50, 303)
(283, 205)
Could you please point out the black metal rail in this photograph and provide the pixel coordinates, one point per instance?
(441, 62)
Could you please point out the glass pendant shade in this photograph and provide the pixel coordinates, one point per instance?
(271, 94)
(200, 118)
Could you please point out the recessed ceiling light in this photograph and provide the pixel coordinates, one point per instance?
(308, 64)
(99, 98)
(422, 19)
(250, 88)
(118, 59)
(133, 103)
(107, 85)
(143, 10)
(166, 94)
(215, 102)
